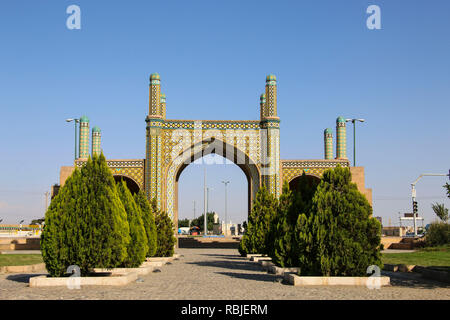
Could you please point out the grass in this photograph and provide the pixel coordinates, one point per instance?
(19, 259)
(435, 256)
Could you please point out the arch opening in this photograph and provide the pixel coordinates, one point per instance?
(309, 180)
(220, 150)
(131, 184)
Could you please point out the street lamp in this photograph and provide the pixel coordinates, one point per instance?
(226, 224)
(354, 137)
(75, 121)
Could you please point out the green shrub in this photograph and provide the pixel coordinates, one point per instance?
(339, 236)
(438, 234)
(164, 232)
(86, 223)
(260, 219)
(282, 244)
(138, 246)
(148, 217)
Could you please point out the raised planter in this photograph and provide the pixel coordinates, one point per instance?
(406, 267)
(257, 259)
(281, 271)
(251, 255)
(112, 280)
(265, 264)
(23, 269)
(142, 270)
(334, 281)
(390, 267)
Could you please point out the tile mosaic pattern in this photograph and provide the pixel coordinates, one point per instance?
(294, 168)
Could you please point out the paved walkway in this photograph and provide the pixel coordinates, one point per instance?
(221, 274)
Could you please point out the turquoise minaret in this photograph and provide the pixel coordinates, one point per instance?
(96, 141)
(262, 103)
(270, 134)
(341, 139)
(328, 143)
(153, 158)
(162, 104)
(84, 138)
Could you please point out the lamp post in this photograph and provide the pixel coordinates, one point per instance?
(75, 121)
(226, 223)
(205, 204)
(354, 137)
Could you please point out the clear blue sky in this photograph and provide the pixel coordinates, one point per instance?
(213, 57)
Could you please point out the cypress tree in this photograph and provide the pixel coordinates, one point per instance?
(282, 242)
(138, 246)
(260, 219)
(86, 223)
(339, 236)
(148, 217)
(164, 232)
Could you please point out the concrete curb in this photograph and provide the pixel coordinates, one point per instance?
(116, 276)
(282, 271)
(251, 255)
(335, 281)
(142, 270)
(116, 280)
(257, 259)
(23, 269)
(266, 265)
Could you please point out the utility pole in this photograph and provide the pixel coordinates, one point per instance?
(194, 209)
(205, 204)
(226, 223)
(46, 200)
(413, 194)
(354, 137)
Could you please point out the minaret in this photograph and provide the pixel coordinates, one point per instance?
(262, 102)
(328, 143)
(162, 111)
(271, 96)
(154, 93)
(96, 140)
(153, 157)
(270, 135)
(84, 138)
(341, 139)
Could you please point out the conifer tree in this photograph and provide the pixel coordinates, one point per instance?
(339, 236)
(164, 232)
(282, 242)
(86, 223)
(138, 246)
(259, 222)
(148, 217)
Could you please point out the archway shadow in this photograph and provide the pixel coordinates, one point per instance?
(413, 280)
(23, 277)
(254, 276)
(235, 265)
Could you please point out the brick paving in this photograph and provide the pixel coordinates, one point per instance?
(221, 274)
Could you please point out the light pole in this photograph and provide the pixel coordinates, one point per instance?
(205, 203)
(226, 223)
(75, 121)
(413, 194)
(207, 198)
(354, 137)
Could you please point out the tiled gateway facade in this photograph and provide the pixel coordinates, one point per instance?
(252, 145)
